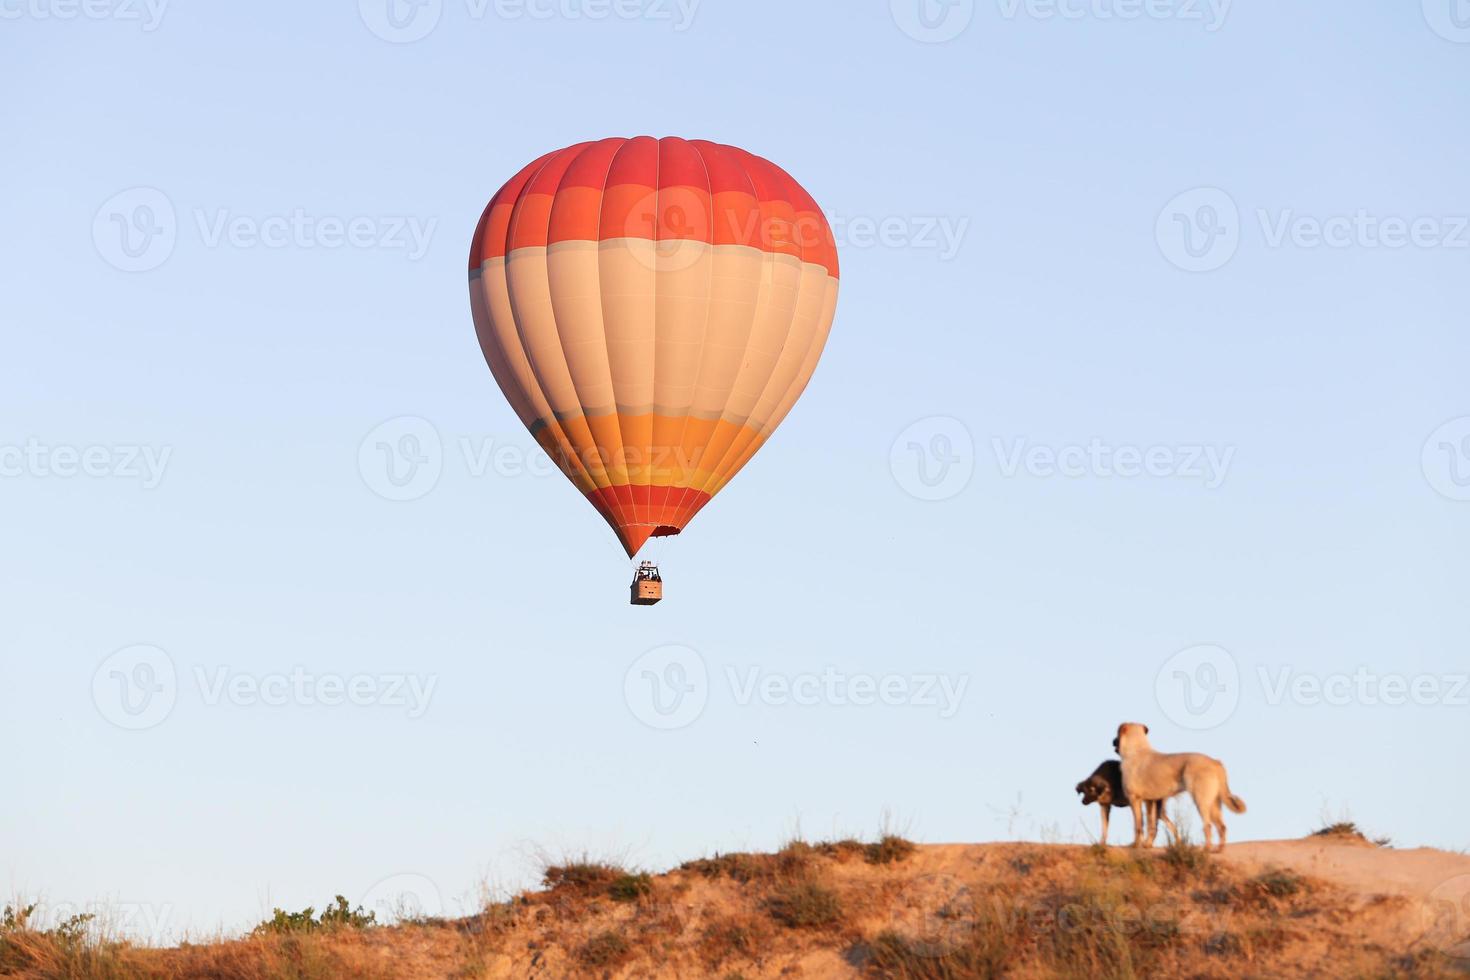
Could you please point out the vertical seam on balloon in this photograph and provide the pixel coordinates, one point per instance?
(622, 514)
(703, 336)
(552, 422)
(520, 399)
(691, 490)
(556, 324)
(716, 474)
(817, 341)
(653, 410)
(762, 285)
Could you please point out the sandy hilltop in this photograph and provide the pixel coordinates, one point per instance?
(1329, 904)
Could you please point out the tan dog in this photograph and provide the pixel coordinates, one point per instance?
(1150, 775)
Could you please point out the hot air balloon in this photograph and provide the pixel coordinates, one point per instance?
(652, 309)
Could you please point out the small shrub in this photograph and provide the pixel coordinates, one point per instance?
(986, 952)
(738, 866)
(1185, 858)
(1223, 944)
(338, 915)
(581, 876)
(1348, 830)
(630, 887)
(842, 850)
(730, 937)
(1340, 828)
(16, 918)
(888, 849)
(1275, 883)
(804, 905)
(794, 859)
(606, 949)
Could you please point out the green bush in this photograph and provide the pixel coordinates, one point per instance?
(338, 915)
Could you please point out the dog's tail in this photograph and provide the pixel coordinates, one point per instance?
(1235, 803)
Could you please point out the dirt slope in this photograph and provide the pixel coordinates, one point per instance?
(1306, 908)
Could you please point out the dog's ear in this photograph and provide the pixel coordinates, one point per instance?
(1145, 729)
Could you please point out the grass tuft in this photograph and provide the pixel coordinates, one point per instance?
(630, 887)
(605, 950)
(804, 905)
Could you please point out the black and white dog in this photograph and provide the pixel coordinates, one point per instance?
(1105, 788)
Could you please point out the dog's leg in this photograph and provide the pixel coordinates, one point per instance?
(1104, 810)
(1220, 825)
(1204, 809)
(1138, 822)
(1151, 810)
(1164, 818)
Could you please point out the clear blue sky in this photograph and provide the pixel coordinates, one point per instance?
(218, 380)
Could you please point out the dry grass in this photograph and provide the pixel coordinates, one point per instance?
(883, 909)
(804, 905)
(1347, 830)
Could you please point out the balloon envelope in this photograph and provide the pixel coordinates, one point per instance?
(652, 309)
